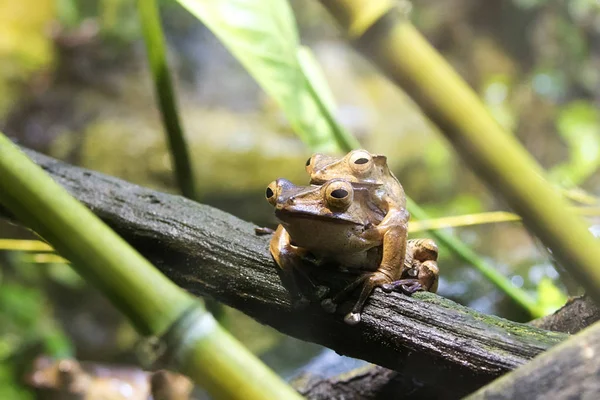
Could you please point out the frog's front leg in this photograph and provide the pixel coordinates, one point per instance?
(290, 259)
(389, 270)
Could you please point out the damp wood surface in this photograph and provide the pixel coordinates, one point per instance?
(427, 338)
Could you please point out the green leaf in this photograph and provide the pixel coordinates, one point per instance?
(262, 35)
(322, 96)
(315, 76)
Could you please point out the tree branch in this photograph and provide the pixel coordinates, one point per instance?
(208, 252)
(569, 371)
(578, 313)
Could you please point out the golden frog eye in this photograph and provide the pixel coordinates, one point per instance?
(339, 194)
(309, 166)
(310, 163)
(271, 193)
(361, 161)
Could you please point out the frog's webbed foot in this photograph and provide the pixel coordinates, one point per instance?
(262, 231)
(422, 276)
(406, 286)
(369, 281)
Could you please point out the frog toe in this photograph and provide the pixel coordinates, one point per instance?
(387, 287)
(406, 286)
(352, 318)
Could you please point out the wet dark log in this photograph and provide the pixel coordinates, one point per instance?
(569, 371)
(331, 376)
(432, 340)
(367, 383)
(371, 382)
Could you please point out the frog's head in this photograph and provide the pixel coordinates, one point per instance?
(330, 202)
(356, 166)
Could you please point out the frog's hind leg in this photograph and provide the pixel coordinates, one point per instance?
(422, 249)
(330, 305)
(290, 259)
(421, 271)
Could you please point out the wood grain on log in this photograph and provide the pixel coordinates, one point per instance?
(569, 371)
(211, 253)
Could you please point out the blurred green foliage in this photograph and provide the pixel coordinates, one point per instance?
(25, 47)
(27, 324)
(578, 124)
(533, 62)
(262, 35)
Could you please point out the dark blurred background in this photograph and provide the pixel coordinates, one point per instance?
(75, 85)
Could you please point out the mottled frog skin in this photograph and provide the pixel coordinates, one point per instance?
(352, 216)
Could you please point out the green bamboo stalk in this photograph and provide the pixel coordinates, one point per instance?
(387, 38)
(201, 349)
(164, 93)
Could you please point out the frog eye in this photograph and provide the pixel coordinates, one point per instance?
(271, 193)
(310, 165)
(339, 195)
(361, 161)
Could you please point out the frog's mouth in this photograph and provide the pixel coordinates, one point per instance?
(333, 218)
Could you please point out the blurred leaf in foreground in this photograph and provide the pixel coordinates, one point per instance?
(262, 35)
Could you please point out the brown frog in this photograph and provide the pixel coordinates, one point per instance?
(338, 223)
(371, 171)
(364, 168)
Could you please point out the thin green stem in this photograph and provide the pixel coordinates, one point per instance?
(466, 254)
(156, 50)
(216, 360)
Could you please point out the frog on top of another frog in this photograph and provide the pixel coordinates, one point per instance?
(355, 219)
(370, 172)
